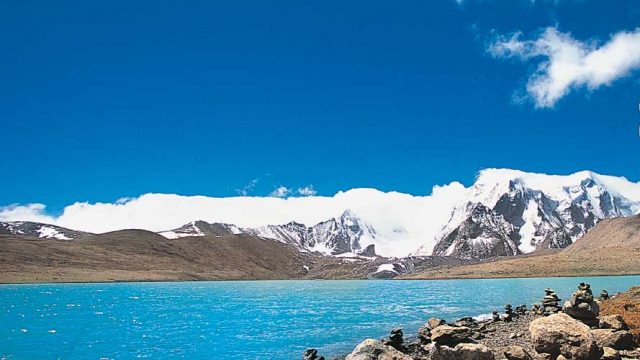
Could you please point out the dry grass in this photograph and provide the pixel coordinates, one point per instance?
(627, 305)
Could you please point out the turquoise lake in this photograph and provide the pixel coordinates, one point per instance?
(244, 320)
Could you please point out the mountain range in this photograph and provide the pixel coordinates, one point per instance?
(504, 213)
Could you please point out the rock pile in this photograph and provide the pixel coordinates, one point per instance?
(396, 340)
(424, 333)
(495, 316)
(536, 309)
(508, 313)
(576, 334)
(550, 302)
(581, 305)
(604, 295)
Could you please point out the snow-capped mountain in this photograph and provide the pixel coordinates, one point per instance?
(33, 229)
(347, 234)
(509, 212)
(201, 228)
(505, 212)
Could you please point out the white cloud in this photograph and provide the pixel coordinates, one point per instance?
(307, 191)
(28, 212)
(280, 192)
(246, 190)
(568, 64)
(403, 222)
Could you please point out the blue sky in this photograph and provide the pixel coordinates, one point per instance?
(104, 100)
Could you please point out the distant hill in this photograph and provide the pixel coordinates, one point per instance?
(139, 255)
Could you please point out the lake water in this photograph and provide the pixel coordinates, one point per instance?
(244, 320)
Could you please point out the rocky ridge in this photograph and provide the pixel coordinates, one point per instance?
(510, 212)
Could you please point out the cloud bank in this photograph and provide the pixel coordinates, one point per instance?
(403, 222)
(568, 64)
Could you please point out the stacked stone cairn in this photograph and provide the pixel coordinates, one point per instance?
(536, 309)
(396, 340)
(604, 295)
(521, 310)
(550, 302)
(311, 354)
(508, 313)
(581, 305)
(495, 316)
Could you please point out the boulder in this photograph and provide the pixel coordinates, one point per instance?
(451, 335)
(374, 350)
(559, 334)
(434, 323)
(615, 322)
(619, 340)
(514, 352)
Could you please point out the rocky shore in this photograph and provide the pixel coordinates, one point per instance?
(576, 329)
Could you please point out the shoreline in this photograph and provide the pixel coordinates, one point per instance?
(340, 279)
(546, 330)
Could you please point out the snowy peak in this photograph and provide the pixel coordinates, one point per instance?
(39, 230)
(201, 228)
(510, 212)
(346, 234)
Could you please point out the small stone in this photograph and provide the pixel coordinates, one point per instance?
(610, 354)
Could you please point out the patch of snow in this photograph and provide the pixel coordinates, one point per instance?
(386, 267)
(49, 232)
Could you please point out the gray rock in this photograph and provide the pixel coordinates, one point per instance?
(374, 350)
(559, 334)
(615, 339)
(451, 335)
